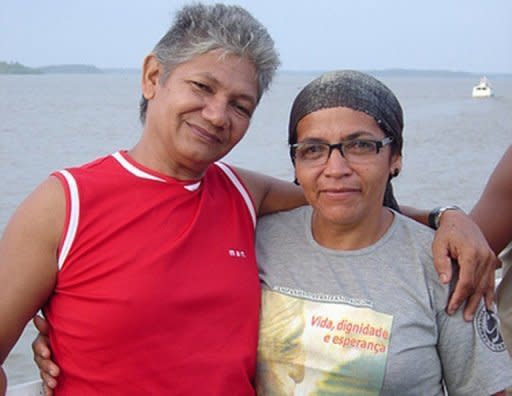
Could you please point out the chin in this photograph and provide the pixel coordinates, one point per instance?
(341, 215)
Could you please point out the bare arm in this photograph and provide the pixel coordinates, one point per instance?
(3, 382)
(420, 215)
(28, 260)
(271, 194)
(493, 211)
(459, 238)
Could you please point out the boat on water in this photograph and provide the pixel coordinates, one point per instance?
(483, 89)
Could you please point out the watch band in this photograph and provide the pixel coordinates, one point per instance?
(434, 217)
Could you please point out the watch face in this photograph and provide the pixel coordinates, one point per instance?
(440, 212)
(437, 218)
(433, 218)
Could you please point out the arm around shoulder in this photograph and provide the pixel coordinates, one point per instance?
(271, 194)
(28, 260)
(493, 211)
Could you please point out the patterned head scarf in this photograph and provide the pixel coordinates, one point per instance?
(355, 90)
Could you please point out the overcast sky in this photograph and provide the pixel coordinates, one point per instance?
(457, 35)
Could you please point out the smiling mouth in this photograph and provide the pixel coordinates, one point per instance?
(340, 193)
(204, 134)
(340, 190)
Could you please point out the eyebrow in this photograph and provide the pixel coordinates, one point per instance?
(240, 95)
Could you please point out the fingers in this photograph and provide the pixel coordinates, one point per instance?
(466, 287)
(442, 261)
(471, 306)
(490, 291)
(49, 383)
(41, 347)
(47, 391)
(476, 280)
(47, 366)
(485, 289)
(463, 289)
(48, 370)
(41, 324)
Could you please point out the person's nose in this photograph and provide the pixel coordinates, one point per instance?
(216, 112)
(337, 165)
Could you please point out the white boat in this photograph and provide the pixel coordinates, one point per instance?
(482, 89)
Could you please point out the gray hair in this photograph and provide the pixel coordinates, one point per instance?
(199, 28)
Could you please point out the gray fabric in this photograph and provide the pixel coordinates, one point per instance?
(393, 277)
(504, 299)
(353, 89)
(504, 295)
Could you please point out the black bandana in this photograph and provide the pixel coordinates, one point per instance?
(355, 90)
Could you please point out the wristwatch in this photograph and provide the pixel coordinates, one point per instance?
(434, 217)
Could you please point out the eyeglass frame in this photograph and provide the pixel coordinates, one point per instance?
(339, 146)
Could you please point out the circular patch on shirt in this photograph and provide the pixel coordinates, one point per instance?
(488, 327)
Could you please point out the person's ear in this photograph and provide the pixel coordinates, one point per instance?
(295, 180)
(396, 166)
(151, 72)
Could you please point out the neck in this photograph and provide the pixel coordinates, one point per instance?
(155, 157)
(351, 236)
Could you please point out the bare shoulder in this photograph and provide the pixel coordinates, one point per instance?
(44, 209)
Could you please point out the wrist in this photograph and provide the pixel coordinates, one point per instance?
(434, 217)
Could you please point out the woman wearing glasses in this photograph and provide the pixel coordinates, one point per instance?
(372, 306)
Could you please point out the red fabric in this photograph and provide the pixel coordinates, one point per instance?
(159, 293)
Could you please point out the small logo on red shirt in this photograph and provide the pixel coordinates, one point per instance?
(237, 253)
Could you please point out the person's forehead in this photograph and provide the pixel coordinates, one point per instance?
(225, 68)
(338, 116)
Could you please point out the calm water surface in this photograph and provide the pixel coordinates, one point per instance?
(452, 141)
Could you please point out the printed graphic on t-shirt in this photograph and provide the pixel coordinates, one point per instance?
(316, 348)
(488, 327)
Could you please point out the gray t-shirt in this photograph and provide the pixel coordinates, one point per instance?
(366, 322)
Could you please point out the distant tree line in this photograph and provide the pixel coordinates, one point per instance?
(17, 68)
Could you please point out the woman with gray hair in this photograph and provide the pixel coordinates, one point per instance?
(143, 261)
(372, 305)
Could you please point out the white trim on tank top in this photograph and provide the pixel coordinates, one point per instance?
(74, 216)
(74, 213)
(241, 189)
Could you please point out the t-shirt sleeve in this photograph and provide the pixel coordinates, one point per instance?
(473, 354)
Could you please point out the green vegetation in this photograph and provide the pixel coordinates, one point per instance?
(16, 68)
(70, 69)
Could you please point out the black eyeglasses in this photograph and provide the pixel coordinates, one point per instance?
(355, 151)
